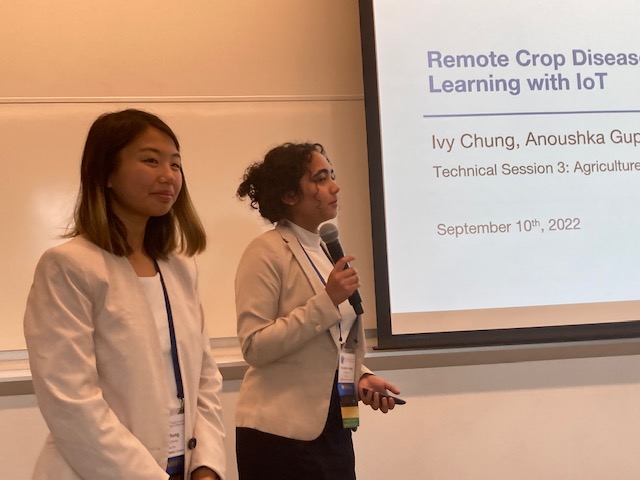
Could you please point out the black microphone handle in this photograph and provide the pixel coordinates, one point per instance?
(356, 302)
(336, 253)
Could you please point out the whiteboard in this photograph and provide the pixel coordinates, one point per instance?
(229, 83)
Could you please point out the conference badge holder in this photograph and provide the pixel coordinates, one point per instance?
(176, 444)
(347, 389)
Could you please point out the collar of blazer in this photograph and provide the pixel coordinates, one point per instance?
(292, 242)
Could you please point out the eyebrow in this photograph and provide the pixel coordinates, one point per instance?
(155, 150)
(324, 171)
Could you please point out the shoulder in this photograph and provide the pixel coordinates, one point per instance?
(77, 265)
(75, 247)
(272, 238)
(77, 254)
(269, 246)
(264, 258)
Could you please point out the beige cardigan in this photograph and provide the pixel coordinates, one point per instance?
(99, 374)
(284, 319)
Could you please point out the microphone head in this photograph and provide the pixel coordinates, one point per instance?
(328, 233)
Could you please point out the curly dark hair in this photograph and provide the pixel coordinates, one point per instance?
(266, 182)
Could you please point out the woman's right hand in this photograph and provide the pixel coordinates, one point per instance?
(342, 282)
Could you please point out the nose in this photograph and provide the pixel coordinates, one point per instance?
(335, 186)
(169, 175)
(166, 176)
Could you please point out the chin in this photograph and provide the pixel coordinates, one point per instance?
(160, 213)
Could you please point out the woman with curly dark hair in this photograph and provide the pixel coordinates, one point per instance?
(302, 340)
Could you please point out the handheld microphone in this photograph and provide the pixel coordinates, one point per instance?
(329, 234)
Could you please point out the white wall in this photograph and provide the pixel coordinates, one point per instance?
(558, 419)
(232, 78)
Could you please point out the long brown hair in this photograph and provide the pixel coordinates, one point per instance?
(180, 229)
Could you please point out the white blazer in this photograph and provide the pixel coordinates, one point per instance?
(99, 374)
(284, 327)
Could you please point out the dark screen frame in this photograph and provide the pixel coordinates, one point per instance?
(474, 338)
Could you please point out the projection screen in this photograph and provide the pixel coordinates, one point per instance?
(504, 142)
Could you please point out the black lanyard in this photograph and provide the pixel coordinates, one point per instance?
(172, 338)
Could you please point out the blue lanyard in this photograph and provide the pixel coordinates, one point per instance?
(172, 338)
(322, 280)
(313, 264)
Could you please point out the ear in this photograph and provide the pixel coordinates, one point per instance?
(290, 198)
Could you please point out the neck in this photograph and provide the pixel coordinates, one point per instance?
(135, 226)
(141, 262)
(136, 242)
(310, 227)
(135, 234)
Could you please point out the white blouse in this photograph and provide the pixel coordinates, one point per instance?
(155, 296)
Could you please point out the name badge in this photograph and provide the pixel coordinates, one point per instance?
(347, 367)
(347, 390)
(176, 435)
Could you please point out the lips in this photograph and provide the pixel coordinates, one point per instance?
(166, 196)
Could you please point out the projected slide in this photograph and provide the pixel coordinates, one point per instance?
(510, 142)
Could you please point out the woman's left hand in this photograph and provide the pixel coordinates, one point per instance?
(204, 473)
(376, 385)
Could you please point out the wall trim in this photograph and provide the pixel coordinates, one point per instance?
(15, 377)
(359, 97)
